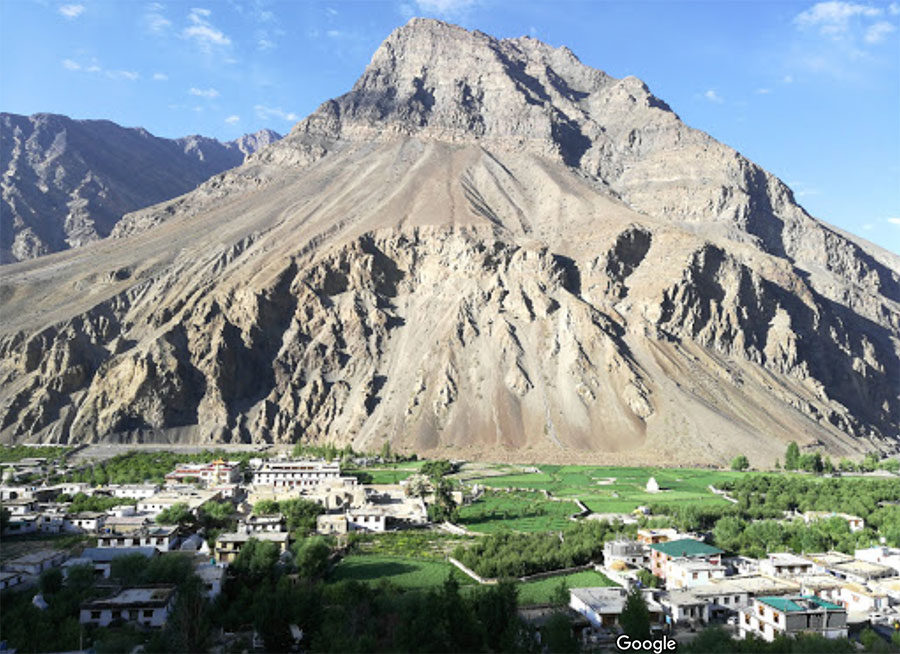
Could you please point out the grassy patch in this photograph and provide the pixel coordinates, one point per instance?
(617, 489)
(415, 544)
(518, 511)
(405, 572)
(542, 592)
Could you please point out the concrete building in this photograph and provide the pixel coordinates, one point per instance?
(148, 606)
(36, 562)
(101, 558)
(215, 473)
(855, 522)
(133, 491)
(628, 552)
(329, 523)
(89, 522)
(823, 586)
(785, 564)
(861, 572)
(256, 523)
(653, 536)
(293, 474)
(661, 554)
(213, 578)
(189, 496)
(603, 606)
(859, 600)
(10, 579)
(687, 572)
(770, 617)
(229, 545)
(889, 556)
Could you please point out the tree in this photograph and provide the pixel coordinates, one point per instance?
(386, 451)
(311, 557)
(417, 486)
(177, 514)
(635, 618)
(792, 456)
(740, 463)
(556, 634)
(436, 469)
(51, 581)
(266, 507)
(4, 518)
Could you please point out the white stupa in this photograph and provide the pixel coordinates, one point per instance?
(652, 486)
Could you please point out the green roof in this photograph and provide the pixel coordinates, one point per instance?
(686, 547)
(789, 605)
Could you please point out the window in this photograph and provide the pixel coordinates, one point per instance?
(148, 613)
(95, 615)
(725, 600)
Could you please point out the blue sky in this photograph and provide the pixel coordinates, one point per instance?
(810, 91)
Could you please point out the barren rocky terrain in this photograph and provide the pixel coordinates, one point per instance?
(68, 182)
(485, 249)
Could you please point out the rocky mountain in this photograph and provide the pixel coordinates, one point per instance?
(68, 182)
(484, 249)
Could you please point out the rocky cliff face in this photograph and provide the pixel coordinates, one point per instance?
(68, 182)
(485, 248)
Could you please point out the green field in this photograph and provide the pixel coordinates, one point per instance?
(518, 511)
(405, 572)
(542, 592)
(619, 490)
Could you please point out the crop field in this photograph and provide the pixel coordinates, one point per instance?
(541, 592)
(616, 489)
(517, 511)
(405, 572)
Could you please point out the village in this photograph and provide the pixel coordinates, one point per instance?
(685, 582)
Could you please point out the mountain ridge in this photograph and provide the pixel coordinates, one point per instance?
(67, 182)
(433, 266)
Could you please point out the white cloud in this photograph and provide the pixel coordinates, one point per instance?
(894, 221)
(68, 64)
(231, 120)
(833, 18)
(763, 91)
(712, 96)
(264, 113)
(787, 79)
(894, 9)
(154, 19)
(202, 32)
(160, 77)
(122, 74)
(265, 44)
(877, 32)
(445, 7)
(93, 68)
(204, 93)
(71, 11)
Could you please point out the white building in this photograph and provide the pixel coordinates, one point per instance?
(36, 562)
(628, 552)
(685, 573)
(256, 523)
(213, 578)
(770, 617)
(214, 473)
(10, 579)
(785, 564)
(889, 556)
(366, 519)
(191, 497)
(291, 474)
(147, 605)
(88, 522)
(133, 491)
(860, 600)
(603, 605)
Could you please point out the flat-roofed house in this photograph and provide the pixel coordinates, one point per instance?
(770, 617)
(603, 605)
(292, 474)
(661, 554)
(860, 600)
(861, 572)
(215, 473)
(148, 606)
(101, 558)
(785, 564)
(823, 586)
(889, 556)
(228, 546)
(10, 579)
(628, 552)
(36, 562)
(686, 572)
